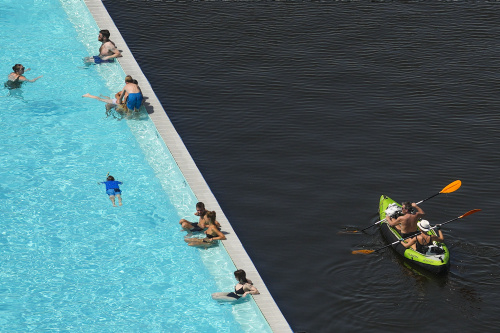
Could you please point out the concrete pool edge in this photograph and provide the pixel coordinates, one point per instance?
(191, 173)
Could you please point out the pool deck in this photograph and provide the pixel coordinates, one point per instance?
(189, 169)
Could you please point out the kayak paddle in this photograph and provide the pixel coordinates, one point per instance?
(470, 212)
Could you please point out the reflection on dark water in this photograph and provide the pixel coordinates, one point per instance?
(300, 115)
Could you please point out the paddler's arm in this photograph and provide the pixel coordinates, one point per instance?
(439, 238)
(420, 212)
(392, 222)
(409, 242)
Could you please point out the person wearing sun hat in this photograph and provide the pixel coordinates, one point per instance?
(422, 241)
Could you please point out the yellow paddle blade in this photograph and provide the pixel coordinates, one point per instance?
(363, 251)
(452, 187)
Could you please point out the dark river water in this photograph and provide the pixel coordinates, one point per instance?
(301, 114)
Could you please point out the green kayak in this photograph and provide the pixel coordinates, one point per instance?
(437, 263)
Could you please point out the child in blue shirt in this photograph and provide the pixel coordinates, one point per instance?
(112, 189)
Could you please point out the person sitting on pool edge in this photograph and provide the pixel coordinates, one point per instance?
(213, 233)
(242, 289)
(421, 242)
(134, 99)
(200, 225)
(107, 52)
(112, 189)
(406, 224)
(16, 78)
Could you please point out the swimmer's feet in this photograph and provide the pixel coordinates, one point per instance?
(120, 203)
(86, 95)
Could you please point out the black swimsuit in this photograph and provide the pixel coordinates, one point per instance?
(422, 248)
(236, 293)
(13, 84)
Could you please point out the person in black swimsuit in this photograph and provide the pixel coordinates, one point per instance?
(213, 233)
(16, 78)
(422, 241)
(242, 289)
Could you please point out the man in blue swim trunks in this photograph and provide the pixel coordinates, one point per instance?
(107, 52)
(133, 93)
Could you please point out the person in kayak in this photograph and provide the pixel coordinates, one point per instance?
(406, 224)
(422, 241)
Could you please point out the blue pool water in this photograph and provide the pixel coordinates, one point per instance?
(69, 260)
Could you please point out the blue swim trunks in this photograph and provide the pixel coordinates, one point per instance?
(134, 101)
(98, 60)
(113, 191)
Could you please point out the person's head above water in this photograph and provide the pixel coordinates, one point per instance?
(241, 276)
(129, 79)
(210, 217)
(406, 206)
(104, 35)
(18, 68)
(110, 178)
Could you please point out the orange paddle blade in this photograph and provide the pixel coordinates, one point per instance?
(452, 187)
(470, 212)
(348, 232)
(363, 251)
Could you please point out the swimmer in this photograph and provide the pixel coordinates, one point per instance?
(107, 52)
(242, 289)
(112, 189)
(135, 97)
(16, 78)
(105, 99)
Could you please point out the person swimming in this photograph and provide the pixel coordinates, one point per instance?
(113, 190)
(16, 78)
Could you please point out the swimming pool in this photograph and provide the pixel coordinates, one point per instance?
(70, 261)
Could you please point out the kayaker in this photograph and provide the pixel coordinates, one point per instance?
(406, 224)
(422, 241)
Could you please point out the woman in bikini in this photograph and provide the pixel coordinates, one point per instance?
(421, 242)
(16, 78)
(213, 233)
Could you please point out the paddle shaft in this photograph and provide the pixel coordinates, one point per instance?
(432, 196)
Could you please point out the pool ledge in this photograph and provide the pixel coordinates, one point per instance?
(189, 169)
